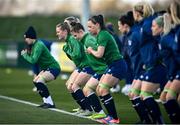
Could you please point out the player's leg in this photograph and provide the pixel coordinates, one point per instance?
(71, 79)
(171, 105)
(107, 100)
(89, 91)
(36, 71)
(81, 80)
(178, 99)
(128, 80)
(138, 103)
(69, 84)
(164, 92)
(153, 79)
(147, 90)
(40, 83)
(115, 72)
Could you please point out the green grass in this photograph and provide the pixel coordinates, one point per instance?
(18, 84)
(14, 112)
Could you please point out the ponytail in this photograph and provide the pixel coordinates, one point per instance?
(167, 24)
(98, 19)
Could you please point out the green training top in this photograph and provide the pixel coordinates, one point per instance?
(41, 55)
(97, 64)
(75, 51)
(104, 38)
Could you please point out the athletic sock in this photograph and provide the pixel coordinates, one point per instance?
(42, 89)
(173, 110)
(82, 99)
(141, 110)
(94, 102)
(37, 86)
(154, 110)
(78, 101)
(108, 102)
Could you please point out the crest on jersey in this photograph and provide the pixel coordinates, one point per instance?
(159, 46)
(176, 38)
(129, 42)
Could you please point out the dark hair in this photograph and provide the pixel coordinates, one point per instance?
(63, 26)
(127, 19)
(159, 13)
(72, 20)
(98, 19)
(77, 27)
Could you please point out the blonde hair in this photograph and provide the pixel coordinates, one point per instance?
(175, 12)
(148, 10)
(144, 8)
(164, 22)
(167, 24)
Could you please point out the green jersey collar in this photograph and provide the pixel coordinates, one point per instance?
(68, 37)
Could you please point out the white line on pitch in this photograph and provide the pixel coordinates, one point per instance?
(33, 104)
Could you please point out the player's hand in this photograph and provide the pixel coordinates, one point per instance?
(23, 52)
(89, 50)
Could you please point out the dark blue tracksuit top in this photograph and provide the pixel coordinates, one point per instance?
(148, 44)
(166, 46)
(134, 45)
(176, 48)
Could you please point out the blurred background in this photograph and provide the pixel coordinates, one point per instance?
(17, 15)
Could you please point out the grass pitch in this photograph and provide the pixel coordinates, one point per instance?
(16, 83)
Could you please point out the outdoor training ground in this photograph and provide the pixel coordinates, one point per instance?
(18, 102)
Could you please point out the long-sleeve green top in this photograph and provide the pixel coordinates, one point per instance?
(75, 51)
(41, 55)
(97, 64)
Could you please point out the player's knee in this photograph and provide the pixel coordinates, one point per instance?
(88, 89)
(103, 89)
(97, 90)
(171, 94)
(75, 87)
(70, 88)
(134, 93)
(130, 95)
(145, 94)
(41, 80)
(163, 96)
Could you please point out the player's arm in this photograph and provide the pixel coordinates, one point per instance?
(102, 43)
(65, 49)
(76, 51)
(99, 53)
(32, 58)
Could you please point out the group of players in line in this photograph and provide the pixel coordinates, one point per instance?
(152, 53)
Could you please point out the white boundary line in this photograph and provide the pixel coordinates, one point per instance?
(34, 104)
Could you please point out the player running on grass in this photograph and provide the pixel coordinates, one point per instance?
(116, 70)
(75, 51)
(97, 65)
(50, 69)
(35, 68)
